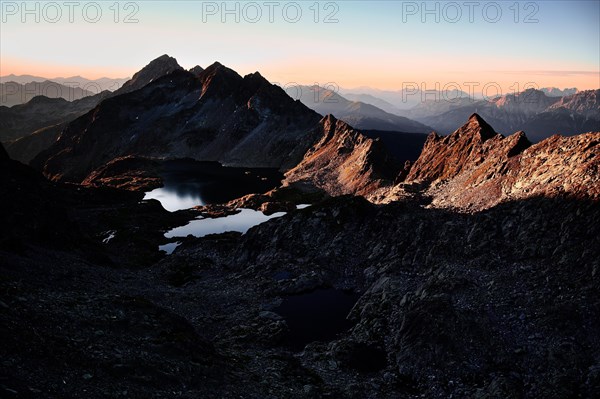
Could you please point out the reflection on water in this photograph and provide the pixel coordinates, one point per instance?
(169, 248)
(189, 183)
(173, 199)
(239, 222)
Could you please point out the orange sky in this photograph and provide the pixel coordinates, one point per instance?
(11, 65)
(375, 77)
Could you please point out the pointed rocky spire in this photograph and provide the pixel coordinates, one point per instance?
(476, 124)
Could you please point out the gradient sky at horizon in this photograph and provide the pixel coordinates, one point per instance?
(377, 44)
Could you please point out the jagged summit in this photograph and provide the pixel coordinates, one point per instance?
(197, 70)
(475, 168)
(477, 124)
(154, 70)
(256, 76)
(217, 68)
(445, 157)
(344, 161)
(330, 122)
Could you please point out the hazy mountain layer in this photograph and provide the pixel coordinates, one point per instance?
(13, 93)
(532, 111)
(358, 114)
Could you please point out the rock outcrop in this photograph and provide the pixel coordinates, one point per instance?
(127, 173)
(475, 168)
(344, 161)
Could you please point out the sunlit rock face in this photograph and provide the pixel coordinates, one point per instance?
(475, 168)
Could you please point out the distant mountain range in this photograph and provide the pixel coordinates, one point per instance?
(540, 113)
(531, 111)
(93, 85)
(556, 92)
(13, 93)
(399, 99)
(195, 102)
(41, 111)
(358, 114)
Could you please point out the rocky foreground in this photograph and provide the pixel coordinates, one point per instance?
(502, 303)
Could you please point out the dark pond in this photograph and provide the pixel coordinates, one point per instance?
(318, 315)
(188, 183)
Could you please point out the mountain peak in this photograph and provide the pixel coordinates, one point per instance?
(158, 67)
(163, 58)
(444, 158)
(218, 69)
(216, 65)
(331, 125)
(197, 70)
(477, 125)
(476, 118)
(329, 119)
(344, 161)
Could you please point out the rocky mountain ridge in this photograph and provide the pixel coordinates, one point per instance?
(214, 116)
(475, 168)
(29, 128)
(344, 161)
